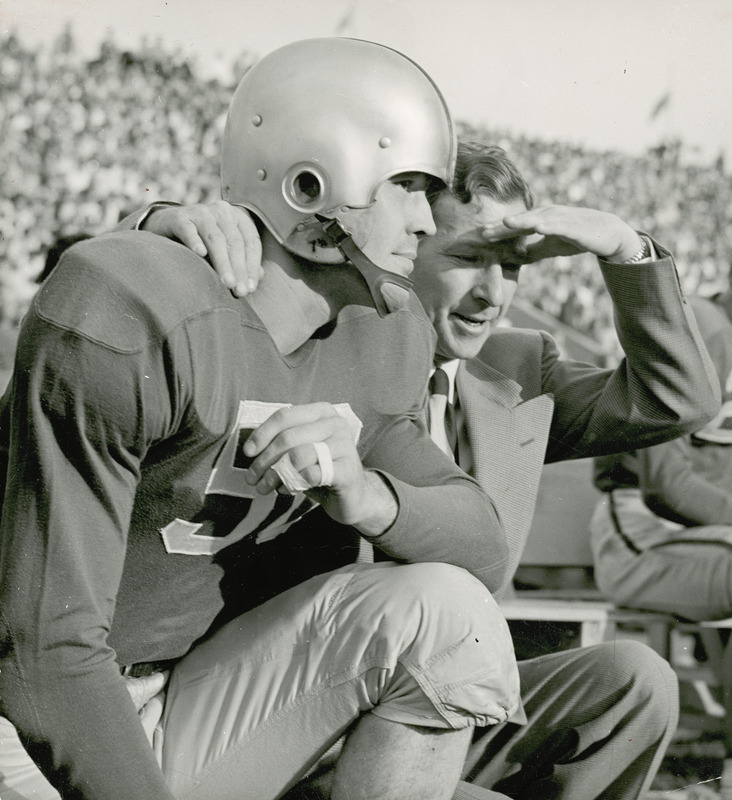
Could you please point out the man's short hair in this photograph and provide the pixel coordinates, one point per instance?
(487, 169)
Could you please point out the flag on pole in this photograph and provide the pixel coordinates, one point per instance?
(661, 105)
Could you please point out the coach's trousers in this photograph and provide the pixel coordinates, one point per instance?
(599, 722)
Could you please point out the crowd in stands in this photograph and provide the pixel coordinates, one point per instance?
(82, 141)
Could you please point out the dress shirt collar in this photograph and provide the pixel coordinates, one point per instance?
(450, 368)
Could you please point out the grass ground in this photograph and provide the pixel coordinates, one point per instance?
(691, 769)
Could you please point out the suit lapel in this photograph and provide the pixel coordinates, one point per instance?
(480, 379)
(508, 441)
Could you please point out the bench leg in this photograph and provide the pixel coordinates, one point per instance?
(659, 638)
(596, 631)
(725, 788)
(727, 700)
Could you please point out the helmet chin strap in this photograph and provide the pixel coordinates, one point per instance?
(374, 276)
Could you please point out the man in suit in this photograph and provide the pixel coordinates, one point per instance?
(597, 720)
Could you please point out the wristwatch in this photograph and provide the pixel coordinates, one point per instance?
(644, 252)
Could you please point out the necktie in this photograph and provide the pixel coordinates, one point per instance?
(442, 413)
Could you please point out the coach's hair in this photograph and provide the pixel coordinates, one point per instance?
(487, 169)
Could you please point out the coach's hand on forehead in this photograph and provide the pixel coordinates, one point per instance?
(550, 231)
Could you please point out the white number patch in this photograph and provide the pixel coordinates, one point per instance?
(267, 515)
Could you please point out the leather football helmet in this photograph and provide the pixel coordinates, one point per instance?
(320, 124)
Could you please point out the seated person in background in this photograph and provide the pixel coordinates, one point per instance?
(662, 532)
(598, 719)
(150, 427)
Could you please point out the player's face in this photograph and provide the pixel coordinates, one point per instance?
(390, 229)
(465, 283)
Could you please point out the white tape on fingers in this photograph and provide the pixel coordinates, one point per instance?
(290, 477)
(325, 462)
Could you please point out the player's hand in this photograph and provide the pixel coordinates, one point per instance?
(225, 233)
(352, 495)
(565, 231)
(142, 690)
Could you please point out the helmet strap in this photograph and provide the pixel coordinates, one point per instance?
(374, 276)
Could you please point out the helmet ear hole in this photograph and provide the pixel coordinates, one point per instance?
(305, 188)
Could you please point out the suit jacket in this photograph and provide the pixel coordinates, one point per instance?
(525, 405)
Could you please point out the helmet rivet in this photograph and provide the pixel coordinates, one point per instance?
(261, 174)
(256, 120)
(385, 142)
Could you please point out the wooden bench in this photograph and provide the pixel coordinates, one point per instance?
(598, 620)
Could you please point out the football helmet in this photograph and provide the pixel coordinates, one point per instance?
(318, 125)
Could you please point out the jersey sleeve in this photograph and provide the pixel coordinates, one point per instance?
(80, 417)
(444, 515)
